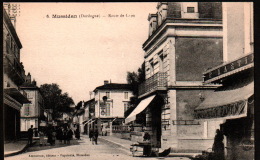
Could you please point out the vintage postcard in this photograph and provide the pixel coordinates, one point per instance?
(121, 80)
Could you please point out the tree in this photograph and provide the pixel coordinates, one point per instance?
(135, 79)
(79, 105)
(56, 100)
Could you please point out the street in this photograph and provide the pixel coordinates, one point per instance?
(80, 149)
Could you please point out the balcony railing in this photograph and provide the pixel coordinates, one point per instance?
(14, 70)
(156, 82)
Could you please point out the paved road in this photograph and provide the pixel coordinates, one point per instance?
(80, 150)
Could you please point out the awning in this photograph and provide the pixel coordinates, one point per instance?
(228, 104)
(141, 106)
(17, 95)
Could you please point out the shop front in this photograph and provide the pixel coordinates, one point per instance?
(152, 107)
(233, 103)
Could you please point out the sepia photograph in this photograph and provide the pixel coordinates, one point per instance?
(128, 80)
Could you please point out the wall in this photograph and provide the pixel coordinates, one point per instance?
(116, 101)
(187, 101)
(210, 10)
(9, 81)
(31, 96)
(238, 29)
(195, 55)
(34, 110)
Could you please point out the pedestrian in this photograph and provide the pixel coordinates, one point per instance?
(69, 135)
(64, 135)
(53, 137)
(90, 134)
(95, 137)
(41, 135)
(30, 135)
(218, 146)
(59, 134)
(49, 135)
(77, 133)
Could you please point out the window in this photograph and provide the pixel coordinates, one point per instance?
(108, 94)
(151, 67)
(27, 110)
(126, 95)
(126, 106)
(190, 9)
(161, 58)
(108, 109)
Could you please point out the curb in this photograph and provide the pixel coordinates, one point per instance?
(115, 143)
(18, 152)
(121, 147)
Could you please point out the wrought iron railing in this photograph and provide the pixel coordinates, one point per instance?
(153, 83)
(185, 122)
(120, 129)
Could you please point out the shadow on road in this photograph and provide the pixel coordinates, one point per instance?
(58, 144)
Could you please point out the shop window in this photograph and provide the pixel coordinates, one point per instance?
(190, 9)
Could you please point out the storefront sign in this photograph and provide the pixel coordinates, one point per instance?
(234, 109)
(229, 67)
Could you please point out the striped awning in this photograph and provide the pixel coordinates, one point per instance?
(228, 104)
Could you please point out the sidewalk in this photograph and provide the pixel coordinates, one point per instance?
(125, 144)
(13, 148)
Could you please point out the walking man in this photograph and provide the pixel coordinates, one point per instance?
(95, 137)
(30, 135)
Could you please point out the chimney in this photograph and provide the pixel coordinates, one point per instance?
(34, 82)
(28, 78)
(105, 82)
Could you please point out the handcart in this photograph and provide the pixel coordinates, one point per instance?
(141, 147)
(147, 149)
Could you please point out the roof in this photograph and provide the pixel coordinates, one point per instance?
(28, 85)
(114, 86)
(89, 101)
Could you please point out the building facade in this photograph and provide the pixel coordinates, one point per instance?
(111, 102)
(32, 113)
(88, 116)
(13, 76)
(233, 102)
(185, 39)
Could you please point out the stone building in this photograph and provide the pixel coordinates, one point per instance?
(185, 39)
(233, 102)
(111, 102)
(88, 116)
(13, 76)
(32, 113)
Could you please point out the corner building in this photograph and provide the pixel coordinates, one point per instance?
(185, 39)
(13, 77)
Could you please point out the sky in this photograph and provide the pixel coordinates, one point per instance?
(80, 53)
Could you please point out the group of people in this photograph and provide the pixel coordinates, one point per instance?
(93, 136)
(63, 134)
